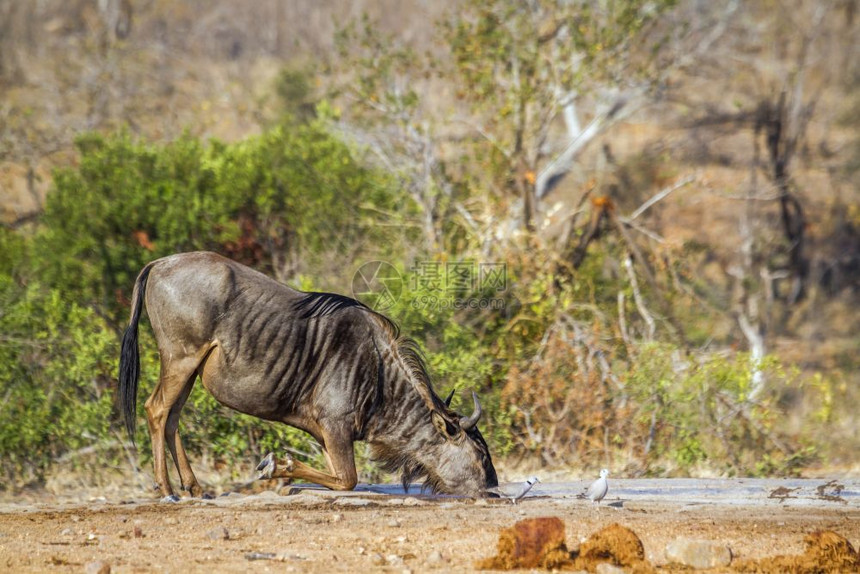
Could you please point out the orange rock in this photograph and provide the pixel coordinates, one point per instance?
(532, 543)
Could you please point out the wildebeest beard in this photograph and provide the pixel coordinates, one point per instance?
(410, 469)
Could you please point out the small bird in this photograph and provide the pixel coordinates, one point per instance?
(516, 491)
(598, 489)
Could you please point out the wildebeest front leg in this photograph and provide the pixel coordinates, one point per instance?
(341, 460)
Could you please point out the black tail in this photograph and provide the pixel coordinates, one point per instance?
(129, 357)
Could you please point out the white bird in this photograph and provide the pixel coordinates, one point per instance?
(514, 492)
(598, 489)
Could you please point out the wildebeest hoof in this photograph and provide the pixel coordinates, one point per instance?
(267, 466)
(207, 496)
(170, 498)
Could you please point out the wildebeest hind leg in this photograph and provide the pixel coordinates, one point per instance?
(341, 459)
(174, 443)
(175, 377)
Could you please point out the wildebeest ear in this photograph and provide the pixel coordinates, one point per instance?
(445, 428)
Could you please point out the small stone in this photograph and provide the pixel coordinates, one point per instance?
(413, 502)
(97, 568)
(66, 532)
(435, 557)
(394, 523)
(361, 550)
(698, 553)
(607, 568)
(337, 517)
(75, 518)
(394, 559)
(353, 501)
(170, 520)
(138, 532)
(219, 533)
(481, 502)
(378, 559)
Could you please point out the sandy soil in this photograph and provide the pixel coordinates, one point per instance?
(320, 531)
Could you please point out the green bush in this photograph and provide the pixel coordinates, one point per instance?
(55, 363)
(283, 202)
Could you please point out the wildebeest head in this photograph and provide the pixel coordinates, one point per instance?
(456, 460)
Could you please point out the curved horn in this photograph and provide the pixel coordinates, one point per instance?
(470, 422)
(448, 400)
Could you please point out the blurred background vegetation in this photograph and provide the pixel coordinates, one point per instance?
(671, 188)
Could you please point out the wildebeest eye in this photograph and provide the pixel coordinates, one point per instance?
(444, 426)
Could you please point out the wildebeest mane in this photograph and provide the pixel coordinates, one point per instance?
(313, 304)
(321, 304)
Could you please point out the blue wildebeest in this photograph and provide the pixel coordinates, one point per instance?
(320, 362)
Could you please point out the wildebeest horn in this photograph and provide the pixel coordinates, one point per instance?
(470, 422)
(448, 400)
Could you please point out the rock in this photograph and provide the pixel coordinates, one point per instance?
(66, 532)
(435, 557)
(261, 556)
(413, 502)
(532, 543)
(353, 501)
(336, 517)
(138, 533)
(219, 533)
(302, 499)
(97, 568)
(607, 568)
(394, 523)
(394, 559)
(826, 551)
(698, 553)
(616, 545)
(378, 559)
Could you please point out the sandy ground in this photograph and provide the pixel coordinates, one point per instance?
(382, 530)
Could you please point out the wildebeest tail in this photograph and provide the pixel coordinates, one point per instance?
(129, 357)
